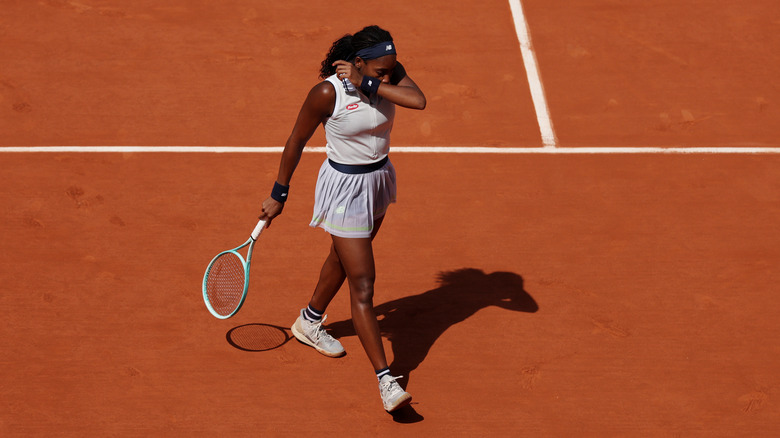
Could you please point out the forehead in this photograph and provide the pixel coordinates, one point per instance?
(386, 62)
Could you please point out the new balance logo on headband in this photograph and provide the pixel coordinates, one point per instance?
(376, 51)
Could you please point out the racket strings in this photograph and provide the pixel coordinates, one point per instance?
(225, 283)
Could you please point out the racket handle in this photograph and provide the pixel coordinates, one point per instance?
(258, 229)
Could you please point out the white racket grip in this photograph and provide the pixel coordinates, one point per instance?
(258, 229)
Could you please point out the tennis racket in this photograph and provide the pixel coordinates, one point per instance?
(226, 280)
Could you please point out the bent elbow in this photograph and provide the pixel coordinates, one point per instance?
(421, 103)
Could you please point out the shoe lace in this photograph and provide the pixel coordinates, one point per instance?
(390, 386)
(320, 333)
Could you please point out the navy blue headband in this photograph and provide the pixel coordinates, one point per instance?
(377, 51)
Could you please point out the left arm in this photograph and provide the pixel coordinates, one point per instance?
(402, 90)
(397, 86)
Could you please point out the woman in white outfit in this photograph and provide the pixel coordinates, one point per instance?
(356, 105)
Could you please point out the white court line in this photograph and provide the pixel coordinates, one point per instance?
(592, 150)
(397, 149)
(532, 71)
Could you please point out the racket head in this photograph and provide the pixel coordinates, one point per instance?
(225, 284)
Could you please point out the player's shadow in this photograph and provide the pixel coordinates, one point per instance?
(413, 324)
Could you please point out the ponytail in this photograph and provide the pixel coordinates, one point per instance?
(345, 47)
(340, 50)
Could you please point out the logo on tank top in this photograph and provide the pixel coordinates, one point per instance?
(352, 106)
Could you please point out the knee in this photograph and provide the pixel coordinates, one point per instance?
(362, 290)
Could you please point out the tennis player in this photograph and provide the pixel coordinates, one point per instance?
(363, 83)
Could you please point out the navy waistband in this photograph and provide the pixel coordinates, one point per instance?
(355, 169)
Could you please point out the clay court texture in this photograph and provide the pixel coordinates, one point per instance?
(585, 242)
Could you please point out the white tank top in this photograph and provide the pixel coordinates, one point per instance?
(358, 131)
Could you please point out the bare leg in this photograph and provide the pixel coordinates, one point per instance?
(357, 261)
(332, 276)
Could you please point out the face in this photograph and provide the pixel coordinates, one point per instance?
(380, 68)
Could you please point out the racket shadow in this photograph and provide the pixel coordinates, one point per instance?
(258, 337)
(413, 324)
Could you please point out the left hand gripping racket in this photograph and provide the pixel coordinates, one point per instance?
(226, 281)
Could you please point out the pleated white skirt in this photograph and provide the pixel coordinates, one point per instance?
(346, 205)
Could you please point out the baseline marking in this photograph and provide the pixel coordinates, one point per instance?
(532, 71)
(397, 149)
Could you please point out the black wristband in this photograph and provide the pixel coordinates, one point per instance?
(279, 192)
(370, 85)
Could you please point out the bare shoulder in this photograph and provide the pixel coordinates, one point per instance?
(323, 89)
(321, 98)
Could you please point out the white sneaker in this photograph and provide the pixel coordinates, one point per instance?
(393, 396)
(312, 333)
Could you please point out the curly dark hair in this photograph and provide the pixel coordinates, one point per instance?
(345, 47)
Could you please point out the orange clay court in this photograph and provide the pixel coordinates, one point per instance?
(577, 288)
